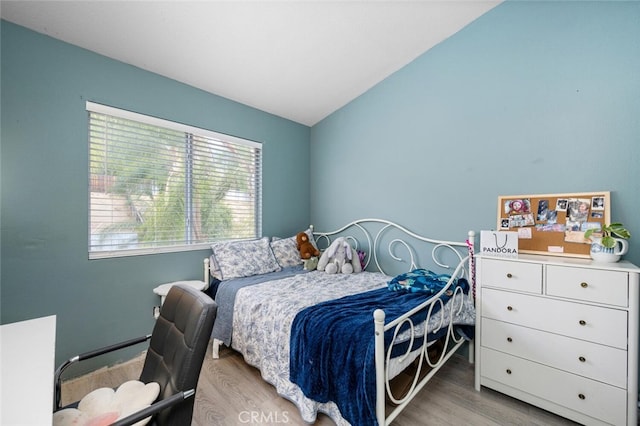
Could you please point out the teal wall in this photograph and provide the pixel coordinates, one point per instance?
(533, 97)
(45, 267)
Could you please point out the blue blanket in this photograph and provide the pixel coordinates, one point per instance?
(333, 348)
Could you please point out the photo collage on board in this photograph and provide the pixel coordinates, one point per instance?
(572, 216)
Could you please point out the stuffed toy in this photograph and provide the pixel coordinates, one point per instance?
(339, 257)
(311, 263)
(307, 250)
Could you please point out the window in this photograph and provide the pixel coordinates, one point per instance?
(158, 186)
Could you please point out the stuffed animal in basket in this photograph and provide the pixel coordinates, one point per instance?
(307, 250)
(339, 257)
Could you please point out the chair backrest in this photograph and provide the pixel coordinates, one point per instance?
(177, 348)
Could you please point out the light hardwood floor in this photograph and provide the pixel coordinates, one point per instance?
(230, 392)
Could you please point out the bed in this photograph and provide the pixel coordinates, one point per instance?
(357, 347)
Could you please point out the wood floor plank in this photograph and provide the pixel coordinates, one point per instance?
(230, 392)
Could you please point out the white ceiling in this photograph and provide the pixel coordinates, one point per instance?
(301, 60)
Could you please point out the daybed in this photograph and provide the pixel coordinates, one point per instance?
(333, 343)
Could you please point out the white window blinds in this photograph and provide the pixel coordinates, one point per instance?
(158, 186)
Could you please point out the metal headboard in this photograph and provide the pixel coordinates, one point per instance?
(382, 239)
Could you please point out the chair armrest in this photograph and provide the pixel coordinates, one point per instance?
(88, 355)
(155, 408)
(114, 347)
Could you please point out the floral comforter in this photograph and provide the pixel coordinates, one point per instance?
(262, 319)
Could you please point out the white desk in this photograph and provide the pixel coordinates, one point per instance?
(27, 358)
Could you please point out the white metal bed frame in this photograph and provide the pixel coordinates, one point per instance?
(372, 243)
(464, 268)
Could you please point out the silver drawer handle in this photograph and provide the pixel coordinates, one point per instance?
(582, 322)
(584, 285)
(582, 359)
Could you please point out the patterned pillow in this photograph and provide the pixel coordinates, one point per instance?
(214, 269)
(237, 259)
(286, 252)
(286, 249)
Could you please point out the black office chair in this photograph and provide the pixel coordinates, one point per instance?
(174, 359)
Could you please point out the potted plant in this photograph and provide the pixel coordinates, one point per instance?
(608, 232)
(605, 241)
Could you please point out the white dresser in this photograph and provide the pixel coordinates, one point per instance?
(560, 333)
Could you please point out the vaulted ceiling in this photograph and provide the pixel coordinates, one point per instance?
(301, 60)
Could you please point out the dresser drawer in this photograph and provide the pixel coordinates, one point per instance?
(606, 326)
(599, 362)
(592, 398)
(591, 285)
(511, 275)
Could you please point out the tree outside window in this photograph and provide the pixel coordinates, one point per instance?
(160, 186)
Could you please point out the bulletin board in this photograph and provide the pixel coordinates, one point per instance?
(554, 224)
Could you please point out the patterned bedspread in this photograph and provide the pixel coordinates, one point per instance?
(262, 319)
(226, 299)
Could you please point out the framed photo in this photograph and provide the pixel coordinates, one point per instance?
(554, 224)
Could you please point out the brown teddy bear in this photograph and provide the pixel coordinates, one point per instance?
(307, 250)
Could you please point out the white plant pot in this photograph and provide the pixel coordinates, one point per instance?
(600, 253)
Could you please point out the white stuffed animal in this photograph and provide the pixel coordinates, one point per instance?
(339, 257)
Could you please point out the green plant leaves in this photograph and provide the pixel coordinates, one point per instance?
(609, 232)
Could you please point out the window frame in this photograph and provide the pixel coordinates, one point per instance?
(92, 107)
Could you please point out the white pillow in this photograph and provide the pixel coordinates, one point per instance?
(237, 259)
(104, 406)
